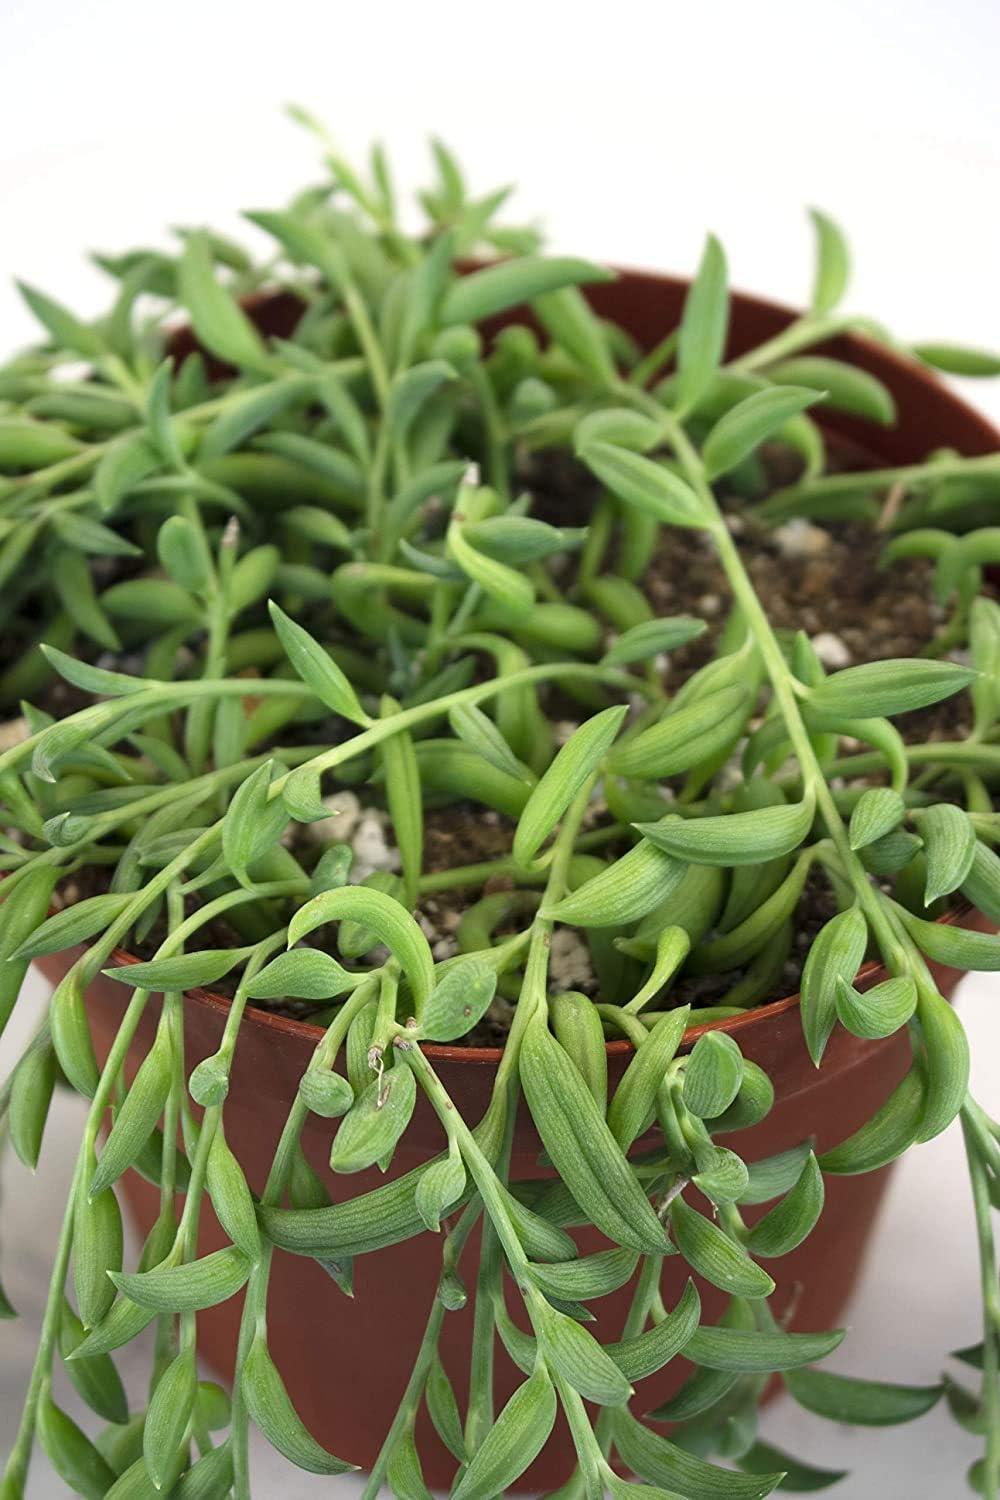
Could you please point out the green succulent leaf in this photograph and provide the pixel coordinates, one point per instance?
(95, 1378)
(32, 1084)
(483, 294)
(775, 1175)
(713, 1075)
(508, 588)
(316, 667)
(755, 419)
(877, 812)
(749, 1351)
(684, 738)
(833, 263)
(704, 324)
(949, 847)
(218, 320)
(515, 1439)
(590, 1276)
(578, 759)
(948, 943)
(662, 1462)
(621, 426)
(304, 973)
(634, 1102)
(383, 915)
(716, 1257)
(878, 1011)
(577, 1357)
(73, 925)
(792, 1220)
(376, 1120)
(649, 486)
(650, 638)
(801, 1478)
(167, 1418)
(732, 839)
(846, 387)
(440, 1188)
(981, 885)
(138, 1115)
(650, 1351)
(625, 891)
(891, 1131)
(182, 971)
(884, 688)
(865, 1403)
(71, 1453)
(443, 1410)
(836, 955)
(479, 732)
(270, 1407)
(458, 1001)
(188, 1287)
(183, 551)
(956, 359)
(582, 1148)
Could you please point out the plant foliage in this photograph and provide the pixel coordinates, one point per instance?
(291, 564)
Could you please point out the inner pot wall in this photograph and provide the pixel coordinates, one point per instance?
(346, 1360)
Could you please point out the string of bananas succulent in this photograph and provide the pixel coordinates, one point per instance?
(272, 571)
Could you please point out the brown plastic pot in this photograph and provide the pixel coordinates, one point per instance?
(346, 1360)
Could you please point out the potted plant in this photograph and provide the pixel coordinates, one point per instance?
(459, 701)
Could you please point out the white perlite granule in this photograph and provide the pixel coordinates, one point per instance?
(13, 732)
(569, 960)
(345, 812)
(831, 650)
(372, 850)
(800, 538)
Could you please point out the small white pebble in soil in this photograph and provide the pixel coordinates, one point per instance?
(735, 525)
(709, 604)
(569, 960)
(564, 730)
(345, 811)
(831, 649)
(731, 774)
(13, 732)
(445, 947)
(372, 850)
(800, 538)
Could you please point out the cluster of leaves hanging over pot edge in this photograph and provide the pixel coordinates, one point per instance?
(284, 567)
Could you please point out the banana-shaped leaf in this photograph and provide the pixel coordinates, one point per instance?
(187, 1288)
(271, 1409)
(865, 1403)
(732, 839)
(581, 1146)
(716, 1257)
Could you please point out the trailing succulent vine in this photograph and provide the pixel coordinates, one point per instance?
(271, 571)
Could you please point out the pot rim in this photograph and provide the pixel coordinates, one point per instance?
(868, 976)
(871, 973)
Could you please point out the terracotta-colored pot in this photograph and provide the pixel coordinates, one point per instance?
(346, 1361)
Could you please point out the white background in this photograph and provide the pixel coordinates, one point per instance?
(632, 129)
